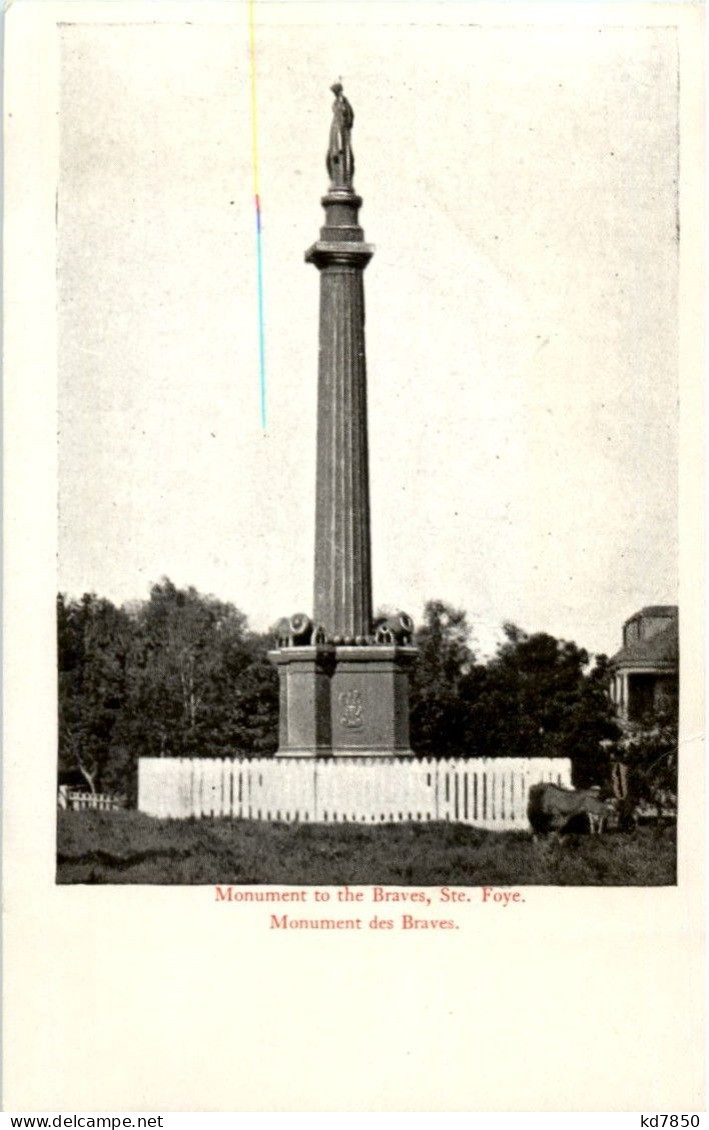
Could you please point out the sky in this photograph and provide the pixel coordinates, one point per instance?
(520, 187)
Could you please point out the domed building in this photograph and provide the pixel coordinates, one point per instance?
(645, 672)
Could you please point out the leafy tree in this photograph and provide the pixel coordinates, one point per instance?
(177, 675)
(536, 700)
(241, 707)
(644, 763)
(437, 703)
(201, 684)
(93, 639)
(179, 640)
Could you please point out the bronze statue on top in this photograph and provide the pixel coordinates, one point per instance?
(340, 159)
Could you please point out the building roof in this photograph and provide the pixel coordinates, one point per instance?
(662, 649)
(656, 610)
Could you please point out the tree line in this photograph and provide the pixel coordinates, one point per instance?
(182, 674)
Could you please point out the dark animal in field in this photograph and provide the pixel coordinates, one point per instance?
(551, 808)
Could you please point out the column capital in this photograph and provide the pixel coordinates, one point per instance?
(340, 253)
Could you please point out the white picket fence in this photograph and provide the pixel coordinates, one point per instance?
(80, 801)
(489, 793)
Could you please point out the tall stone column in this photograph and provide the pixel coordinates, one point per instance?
(344, 682)
(343, 583)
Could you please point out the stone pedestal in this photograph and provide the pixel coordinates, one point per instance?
(304, 724)
(344, 701)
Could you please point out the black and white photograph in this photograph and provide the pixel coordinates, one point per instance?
(396, 607)
(356, 530)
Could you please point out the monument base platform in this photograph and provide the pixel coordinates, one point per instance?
(344, 701)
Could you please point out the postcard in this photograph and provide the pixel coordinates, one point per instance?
(354, 687)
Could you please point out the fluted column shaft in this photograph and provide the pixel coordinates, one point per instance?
(343, 584)
(343, 574)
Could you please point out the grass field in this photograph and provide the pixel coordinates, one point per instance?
(129, 847)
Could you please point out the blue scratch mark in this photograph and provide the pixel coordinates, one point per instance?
(261, 330)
